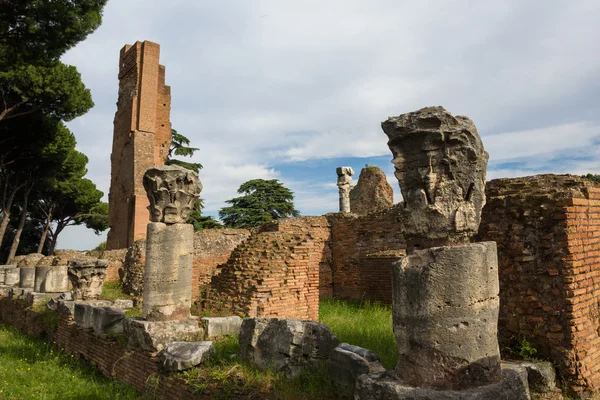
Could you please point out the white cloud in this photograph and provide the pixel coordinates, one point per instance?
(258, 84)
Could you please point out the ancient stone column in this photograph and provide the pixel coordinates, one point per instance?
(27, 278)
(172, 192)
(344, 184)
(51, 279)
(445, 292)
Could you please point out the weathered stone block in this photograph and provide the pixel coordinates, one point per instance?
(107, 320)
(221, 326)
(66, 307)
(83, 314)
(440, 164)
(347, 362)
(286, 345)
(372, 192)
(154, 336)
(12, 276)
(541, 375)
(511, 386)
(445, 313)
(179, 356)
(87, 277)
(35, 298)
(168, 272)
(123, 304)
(51, 279)
(27, 277)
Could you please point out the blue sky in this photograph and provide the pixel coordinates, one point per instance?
(293, 89)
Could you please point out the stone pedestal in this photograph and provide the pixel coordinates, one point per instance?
(155, 336)
(87, 277)
(12, 276)
(27, 276)
(168, 272)
(51, 279)
(344, 184)
(445, 313)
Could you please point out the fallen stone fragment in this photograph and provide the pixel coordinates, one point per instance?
(124, 304)
(540, 375)
(107, 320)
(154, 336)
(179, 356)
(286, 345)
(347, 362)
(221, 326)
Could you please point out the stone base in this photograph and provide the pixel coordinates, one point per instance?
(35, 298)
(221, 326)
(5, 290)
(179, 356)
(512, 386)
(155, 336)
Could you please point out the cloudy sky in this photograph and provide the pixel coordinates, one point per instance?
(292, 89)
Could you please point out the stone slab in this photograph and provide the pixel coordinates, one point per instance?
(107, 320)
(385, 386)
(83, 312)
(221, 326)
(179, 356)
(541, 375)
(155, 336)
(51, 279)
(27, 277)
(12, 276)
(35, 298)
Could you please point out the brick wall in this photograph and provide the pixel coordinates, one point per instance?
(275, 272)
(547, 228)
(129, 365)
(212, 247)
(141, 140)
(356, 241)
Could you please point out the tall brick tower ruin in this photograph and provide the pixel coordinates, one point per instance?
(142, 137)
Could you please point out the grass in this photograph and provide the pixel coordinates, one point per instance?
(33, 369)
(363, 324)
(112, 290)
(224, 376)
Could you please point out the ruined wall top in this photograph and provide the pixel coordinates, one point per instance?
(372, 192)
(172, 191)
(440, 164)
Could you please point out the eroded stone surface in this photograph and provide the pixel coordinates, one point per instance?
(221, 326)
(29, 261)
(511, 386)
(12, 275)
(286, 345)
(168, 272)
(172, 191)
(372, 192)
(51, 279)
(27, 277)
(155, 336)
(445, 313)
(440, 164)
(179, 356)
(344, 183)
(347, 362)
(541, 375)
(87, 277)
(107, 320)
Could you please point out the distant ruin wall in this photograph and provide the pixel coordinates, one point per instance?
(141, 140)
(547, 228)
(212, 247)
(275, 272)
(357, 243)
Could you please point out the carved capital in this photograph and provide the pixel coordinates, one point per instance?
(172, 191)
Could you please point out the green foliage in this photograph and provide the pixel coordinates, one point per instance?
(202, 221)
(224, 376)
(180, 147)
(55, 90)
(262, 201)
(364, 324)
(37, 30)
(133, 312)
(593, 177)
(113, 290)
(33, 369)
(101, 246)
(526, 349)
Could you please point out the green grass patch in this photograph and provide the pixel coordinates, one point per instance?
(33, 369)
(112, 290)
(363, 324)
(224, 376)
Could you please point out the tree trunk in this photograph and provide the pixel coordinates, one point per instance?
(16, 240)
(6, 216)
(46, 229)
(59, 227)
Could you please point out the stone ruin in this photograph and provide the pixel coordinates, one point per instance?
(167, 294)
(445, 291)
(142, 137)
(372, 193)
(344, 184)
